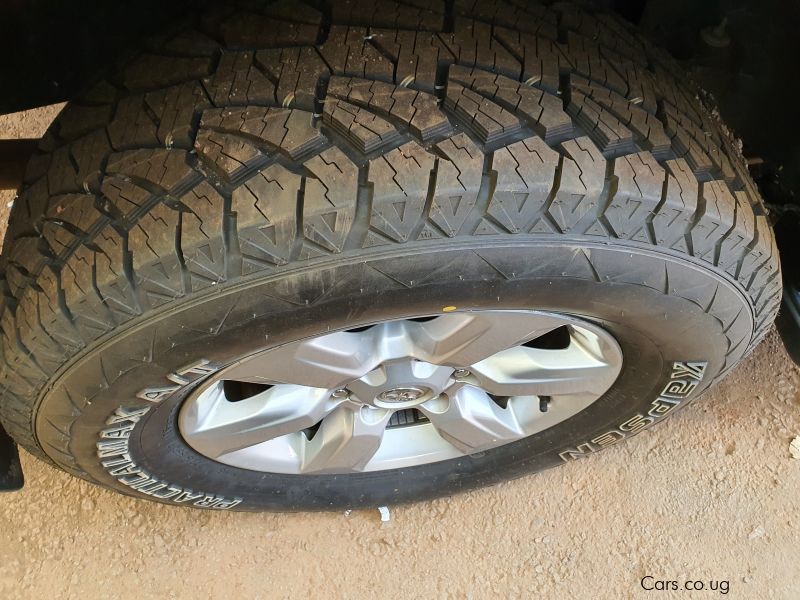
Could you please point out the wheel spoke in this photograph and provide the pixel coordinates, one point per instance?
(219, 427)
(327, 362)
(465, 338)
(471, 421)
(330, 361)
(582, 367)
(346, 440)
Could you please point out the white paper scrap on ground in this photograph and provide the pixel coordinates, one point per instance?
(794, 447)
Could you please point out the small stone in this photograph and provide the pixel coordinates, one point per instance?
(87, 504)
(757, 533)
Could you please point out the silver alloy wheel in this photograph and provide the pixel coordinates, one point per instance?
(401, 393)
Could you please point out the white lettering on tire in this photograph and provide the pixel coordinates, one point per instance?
(683, 380)
(114, 454)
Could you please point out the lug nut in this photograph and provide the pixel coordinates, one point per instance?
(340, 394)
(544, 403)
(461, 373)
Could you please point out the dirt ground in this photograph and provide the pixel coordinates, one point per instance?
(711, 495)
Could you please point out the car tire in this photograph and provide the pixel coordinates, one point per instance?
(260, 176)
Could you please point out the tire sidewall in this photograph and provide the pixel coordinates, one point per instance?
(653, 304)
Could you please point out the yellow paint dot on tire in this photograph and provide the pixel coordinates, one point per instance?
(448, 309)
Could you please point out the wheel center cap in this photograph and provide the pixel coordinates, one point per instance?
(402, 396)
